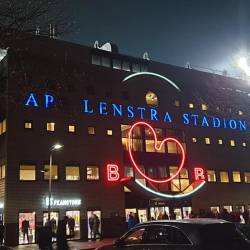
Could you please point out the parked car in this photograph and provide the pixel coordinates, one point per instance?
(245, 229)
(182, 235)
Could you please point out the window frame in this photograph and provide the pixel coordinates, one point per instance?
(110, 129)
(224, 171)
(70, 132)
(214, 174)
(72, 165)
(24, 164)
(28, 121)
(94, 130)
(93, 165)
(54, 164)
(50, 130)
(233, 176)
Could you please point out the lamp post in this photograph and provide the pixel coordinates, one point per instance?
(57, 146)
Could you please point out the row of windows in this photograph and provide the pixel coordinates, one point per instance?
(204, 107)
(118, 64)
(143, 140)
(220, 142)
(28, 172)
(224, 176)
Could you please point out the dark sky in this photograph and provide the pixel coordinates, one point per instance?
(207, 33)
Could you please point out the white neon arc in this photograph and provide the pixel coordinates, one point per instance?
(170, 195)
(152, 74)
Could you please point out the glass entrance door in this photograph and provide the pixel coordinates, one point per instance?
(178, 212)
(27, 222)
(90, 220)
(143, 215)
(73, 228)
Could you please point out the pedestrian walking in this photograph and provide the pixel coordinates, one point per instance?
(131, 221)
(246, 217)
(96, 227)
(61, 234)
(25, 229)
(71, 223)
(165, 216)
(137, 220)
(45, 237)
(118, 225)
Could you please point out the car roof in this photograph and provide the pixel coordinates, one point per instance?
(193, 221)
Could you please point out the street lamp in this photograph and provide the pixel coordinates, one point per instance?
(56, 146)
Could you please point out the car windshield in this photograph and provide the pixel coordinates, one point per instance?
(221, 235)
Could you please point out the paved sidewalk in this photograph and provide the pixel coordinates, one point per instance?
(74, 245)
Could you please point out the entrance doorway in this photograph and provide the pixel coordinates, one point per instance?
(76, 220)
(90, 221)
(27, 222)
(157, 212)
(143, 215)
(178, 212)
(54, 216)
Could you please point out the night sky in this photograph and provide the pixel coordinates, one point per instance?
(206, 33)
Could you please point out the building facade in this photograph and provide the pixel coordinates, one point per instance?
(139, 136)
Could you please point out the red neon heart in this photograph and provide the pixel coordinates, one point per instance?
(156, 148)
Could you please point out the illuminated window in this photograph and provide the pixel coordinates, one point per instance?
(194, 139)
(128, 171)
(152, 99)
(105, 62)
(4, 126)
(126, 66)
(96, 60)
(139, 177)
(93, 173)
(72, 173)
(173, 148)
(191, 105)
(125, 95)
(240, 113)
(50, 126)
(207, 140)
(177, 103)
(149, 140)
(220, 141)
(28, 125)
(72, 128)
(181, 181)
(224, 177)
(136, 141)
(90, 90)
(136, 67)
(117, 64)
(244, 144)
(162, 172)
(247, 177)
(236, 176)
(2, 172)
(27, 173)
(91, 130)
(211, 177)
(232, 142)
(218, 108)
(54, 172)
(109, 132)
(124, 132)
(204, 107)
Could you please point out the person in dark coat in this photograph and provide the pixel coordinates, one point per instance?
(25, 228)
(61, 234)
(137, 220)
(96, 227)
(246, 217)
(165, 216)
(71, 222)
(45, 237)
(118, 225)
(225, 215)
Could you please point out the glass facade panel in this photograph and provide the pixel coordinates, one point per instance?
(27, 222)
(96, 60)
(3, 172)
(162, 172)
(184, 183)
(117, 64)
(27, 173)
(150, 145)
(72, 173)
(172, 148)
(211, 177)
(136, 67)
(4, 126)
(92, 173)
(105, 62)
(124, 130)
(126, 66)
(224, 177)
(139, 177)
(125, 144)
(54, 172)
(128, 171)
(236, 176)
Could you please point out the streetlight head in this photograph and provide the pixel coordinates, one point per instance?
(57, 146)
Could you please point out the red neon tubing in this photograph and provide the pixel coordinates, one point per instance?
(157, 149)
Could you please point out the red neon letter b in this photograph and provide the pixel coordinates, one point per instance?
(113, 174)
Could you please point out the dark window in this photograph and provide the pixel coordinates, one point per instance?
(109, 93)
(71, 87)
(90, 90)
(50, 83)
(125, 95)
